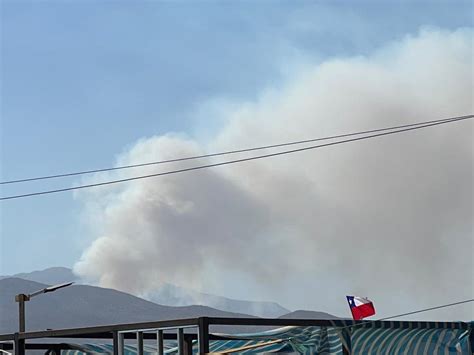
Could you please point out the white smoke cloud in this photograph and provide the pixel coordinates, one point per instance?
(389, 218)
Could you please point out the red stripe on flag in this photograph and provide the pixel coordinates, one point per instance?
(362, 311)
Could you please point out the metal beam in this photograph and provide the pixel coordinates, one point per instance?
(66, 333)
(38, 346)
(7, 337)
(147, 335)
(204, 322)
(333, 323)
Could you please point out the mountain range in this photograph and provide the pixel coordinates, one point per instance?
(85, 305)
(169, 295)
(172, 295)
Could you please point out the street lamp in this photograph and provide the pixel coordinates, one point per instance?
(22, 298)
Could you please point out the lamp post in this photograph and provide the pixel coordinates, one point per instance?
(22, 298)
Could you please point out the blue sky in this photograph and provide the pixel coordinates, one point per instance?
(82, 81)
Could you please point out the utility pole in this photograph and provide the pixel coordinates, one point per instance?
(22, 298)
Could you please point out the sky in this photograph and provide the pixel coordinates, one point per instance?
(93, 84)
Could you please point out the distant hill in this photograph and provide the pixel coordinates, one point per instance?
(301, 314)
(172, 295)
(50, 276)
(169, 295)
(82, 305)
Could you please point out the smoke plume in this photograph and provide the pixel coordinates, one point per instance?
(389, 218)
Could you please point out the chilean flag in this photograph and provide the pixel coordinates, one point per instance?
(360, 307)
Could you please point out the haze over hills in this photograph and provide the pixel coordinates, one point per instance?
(49, 276)
(169, 295)
(172, 295)
(83, 305)
(86, 305)
(302, 314)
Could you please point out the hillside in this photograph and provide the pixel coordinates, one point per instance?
(302, 314)
(82, 305)
(49, 276)
(169, 295)
(172, 295)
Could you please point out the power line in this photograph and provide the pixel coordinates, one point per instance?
(199, 167)
(55, 176)
(410, 313)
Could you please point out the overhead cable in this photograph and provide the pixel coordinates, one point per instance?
(200, 167)
(410, 313)
(244, 150)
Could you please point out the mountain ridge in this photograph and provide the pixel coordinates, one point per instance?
(84, 305)
(169, 295)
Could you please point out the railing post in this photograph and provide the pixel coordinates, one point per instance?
(121, 343)
(203, 335)
(19, 345)
(188, 345)
(115, 342)
(140, 343)
(180, 341)
(159, 342)
(21, 298)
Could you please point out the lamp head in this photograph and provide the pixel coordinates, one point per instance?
(57, 287)
(50, 289)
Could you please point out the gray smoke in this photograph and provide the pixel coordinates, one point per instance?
(389, 218)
